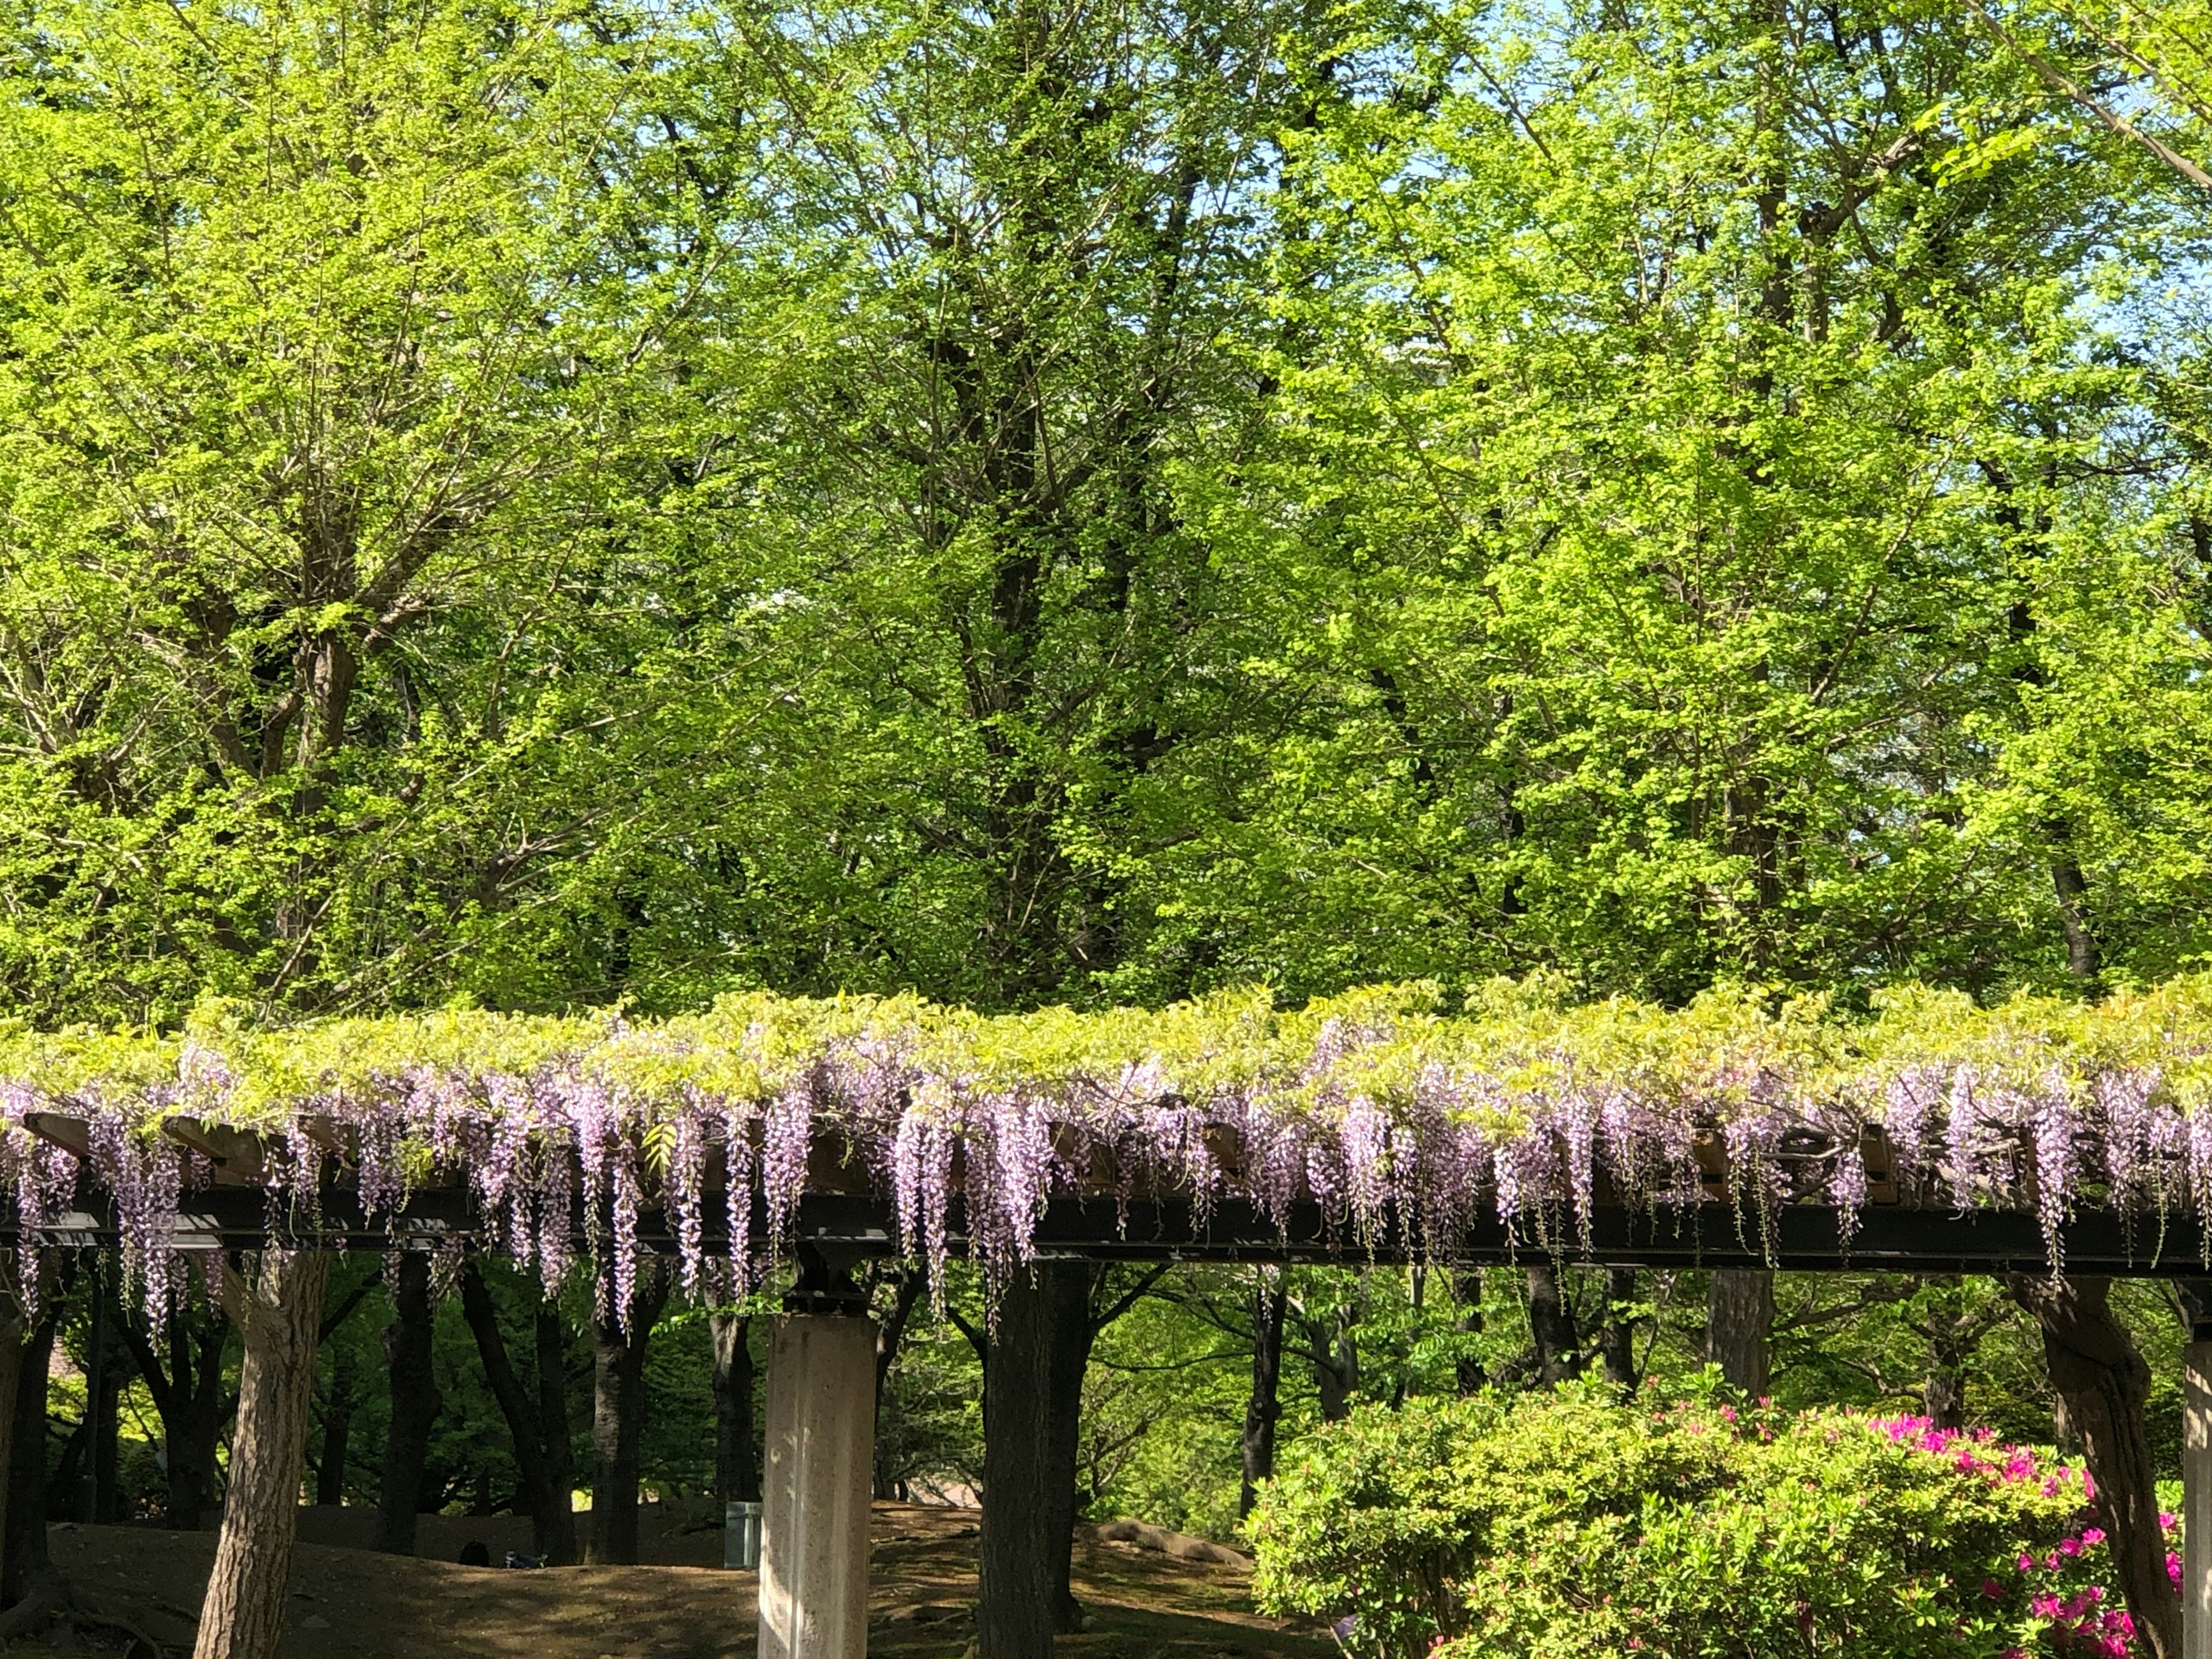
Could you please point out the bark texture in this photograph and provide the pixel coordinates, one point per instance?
(416, 1403)
(618, 1420)
(1013, 1613)
(1740, 1329)
(2103, 1384)
(552, 1521)
(278, 1305)
(1263, 1408)
(736, 1465)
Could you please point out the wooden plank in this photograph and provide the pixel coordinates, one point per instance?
(1880, 1161)
(236, 1154)
(72, 1135)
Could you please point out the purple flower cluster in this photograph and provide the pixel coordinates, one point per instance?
(620, 1120)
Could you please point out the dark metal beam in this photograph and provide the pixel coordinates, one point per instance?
(1801, 1238)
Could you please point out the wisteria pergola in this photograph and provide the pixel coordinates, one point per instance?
(2038, 1137)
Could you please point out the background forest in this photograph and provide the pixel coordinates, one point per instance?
(568, 504)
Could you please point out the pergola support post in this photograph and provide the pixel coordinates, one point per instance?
(2197, 1495)
(817, 1472)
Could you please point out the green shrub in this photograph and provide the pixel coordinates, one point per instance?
(1569, 1524)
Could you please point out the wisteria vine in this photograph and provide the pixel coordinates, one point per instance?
(1386, 1108)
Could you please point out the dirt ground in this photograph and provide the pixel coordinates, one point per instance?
(348, 1602)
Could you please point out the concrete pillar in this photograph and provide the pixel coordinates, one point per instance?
(815, 1488)
(2197, 1497)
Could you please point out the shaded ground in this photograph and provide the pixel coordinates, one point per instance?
(348, 1602)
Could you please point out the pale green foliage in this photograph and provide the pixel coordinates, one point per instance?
(1728, 1053)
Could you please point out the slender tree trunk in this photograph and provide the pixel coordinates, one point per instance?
(23, 1559)
(551, 1525)
(1616, 1336)
(415, 1404)
(1468, 1374)
(107, 1444)
(1552, 1327)
(197, 1358)
(337, 1433)
(552, 1347)
(619, 1420)
(279, 1308)
(1739, 1328)
(1013, 1613)
(2103, 1385)
(736, 1468)
(1068, 1284)
(1271, 1297)
(891, 1333)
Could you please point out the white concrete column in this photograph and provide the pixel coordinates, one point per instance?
(2197, 1500)
(821, 1451)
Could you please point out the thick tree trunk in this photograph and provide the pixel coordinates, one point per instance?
(416, 1403)
(552, 1347)
(1068, 1284)
(12, 1350)
(1013, 1613)
(338, 1434)
(737, 1466)
(23, 1559)
(2103, 1385)
(279, 1307)
(1740, 1327)
(619, 1420)
(552, 1526)
(1552, 1327)
(1263, 1408)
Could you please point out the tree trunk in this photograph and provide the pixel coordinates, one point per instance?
(1551, 1327)
(552, 1346)
(619, 1420)
(23, 1559)
(1335, 1352)
(1263, 1408)
(107, 1442)
(1068, 1285)
(2103, 1384)
(1468, 1374)
(1013, 1613)
(279, 1308)
(736, 1468)
(891, 1333)
(337, 1433)
(1739, 1327)
(551, 1524)
(416, 1403)
(1616, 1337)
(13, 1347)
